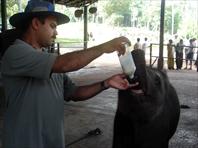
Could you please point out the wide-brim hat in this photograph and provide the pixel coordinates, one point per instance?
(37, 8)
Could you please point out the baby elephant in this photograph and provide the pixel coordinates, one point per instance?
(148, 113)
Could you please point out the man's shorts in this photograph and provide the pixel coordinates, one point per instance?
(189, 56)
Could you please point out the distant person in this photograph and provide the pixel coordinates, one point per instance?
(186, 54)
(179, 54)
(196, 62)
(137, 44)
(170, 61)
(176, 39)
(91, 36)
(189, 54)
(145, 45)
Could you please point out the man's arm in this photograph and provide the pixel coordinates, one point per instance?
(75, 60)
(86, 92)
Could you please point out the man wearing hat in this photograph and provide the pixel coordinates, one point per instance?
(36, 84)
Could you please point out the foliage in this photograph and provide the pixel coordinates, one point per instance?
(116, 10)
(13, 6)
(116, 20)
(181, 17)
(68, 40)
(172, 13)
(64, 42)
(188, 27)
(146, 14)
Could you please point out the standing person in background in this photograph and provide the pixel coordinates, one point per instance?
(137, 44)
(36, 83)
(194, 45)
(179, 54)
(196, 61)
(170, 61)
(176, 39)
(186, 56)
(145, 45)
(189, 54)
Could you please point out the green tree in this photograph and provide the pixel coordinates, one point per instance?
(119, 10)
(13, 6)
(172, 19)
(150, 18)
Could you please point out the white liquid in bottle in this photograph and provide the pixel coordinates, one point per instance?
(127, 62)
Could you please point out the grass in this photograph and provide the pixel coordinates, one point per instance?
(64, 42)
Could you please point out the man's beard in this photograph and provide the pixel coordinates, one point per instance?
(50, 43)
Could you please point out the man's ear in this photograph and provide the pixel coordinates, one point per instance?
(35, 23)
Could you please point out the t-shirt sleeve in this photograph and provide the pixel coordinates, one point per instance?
(69, 87)
(23, 60)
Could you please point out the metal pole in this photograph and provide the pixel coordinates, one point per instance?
(151, 54)
(3, 15)
(161, 60)
(85, 27)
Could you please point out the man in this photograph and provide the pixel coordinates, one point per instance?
(36, 84)
(170, 55)
(189, 54)
(145, 45)
(179, 54)
(137, 44)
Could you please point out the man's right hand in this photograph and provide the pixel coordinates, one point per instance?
(116, 44)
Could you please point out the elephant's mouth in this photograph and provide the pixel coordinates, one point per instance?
(137, 92)
(139, 81)
(136, 87)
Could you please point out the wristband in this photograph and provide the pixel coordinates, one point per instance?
(102, 84)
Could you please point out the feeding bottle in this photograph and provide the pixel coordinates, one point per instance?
(127, 62)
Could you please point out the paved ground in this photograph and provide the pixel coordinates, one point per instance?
(81, 117)
(99, 112)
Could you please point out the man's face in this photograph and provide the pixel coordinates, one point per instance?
(47, 32)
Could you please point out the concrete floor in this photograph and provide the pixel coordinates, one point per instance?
(98, 112)
(80, 117)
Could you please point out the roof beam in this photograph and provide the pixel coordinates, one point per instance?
(3, 15)
(75, 3)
